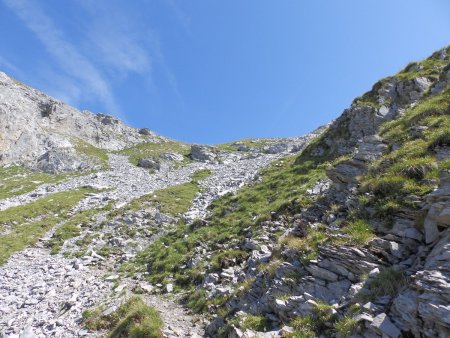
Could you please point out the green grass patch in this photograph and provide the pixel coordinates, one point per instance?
(254, 322)
(132, 319)
(307, 247)
(95, 154)
(23, 225)
(72, 228)
(346, 326)
(17, 180)
(412, 169)
(174, 200)
(389, 282)
(430, 67)
(177, 200)
(359, 231)
(148, 149)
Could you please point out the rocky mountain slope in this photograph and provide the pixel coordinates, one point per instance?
(110, 230)
(36, 127)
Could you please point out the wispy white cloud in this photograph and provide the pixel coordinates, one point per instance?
(70, 59)
(118, 37)
(111, 41)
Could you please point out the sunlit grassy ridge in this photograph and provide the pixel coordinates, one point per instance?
(411, 168)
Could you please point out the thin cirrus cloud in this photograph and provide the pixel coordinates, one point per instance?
(69, 58)
(114, 47)
(119, 39)
(109, 43)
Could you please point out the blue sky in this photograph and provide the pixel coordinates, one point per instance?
(213, 71)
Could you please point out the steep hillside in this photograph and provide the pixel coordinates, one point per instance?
(54, 137)
(343, 232)
(348, 238)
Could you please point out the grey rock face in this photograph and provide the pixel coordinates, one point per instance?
(276, 148)
(34, 124)
(58, 160)
(145, 131)
(438, 205)
(410, 91)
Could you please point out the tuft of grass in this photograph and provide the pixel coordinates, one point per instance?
(304, 327)
(23, 225)
(308, 247)
(322, 318)
(255, 322)
(197, 301)
(133, 319)
(389, 282)
(360, 232)
(346, 326)
(414, 168)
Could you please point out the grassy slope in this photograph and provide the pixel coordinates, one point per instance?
(283, 186)
(23, 225)
(18, 180)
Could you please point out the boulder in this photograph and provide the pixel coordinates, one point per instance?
(438, 206)
(59, 160)
(203, 153)
(370, 149)
(383, 325)
(149, 163)
(412, 90)
(172, 157)
(145, 131)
